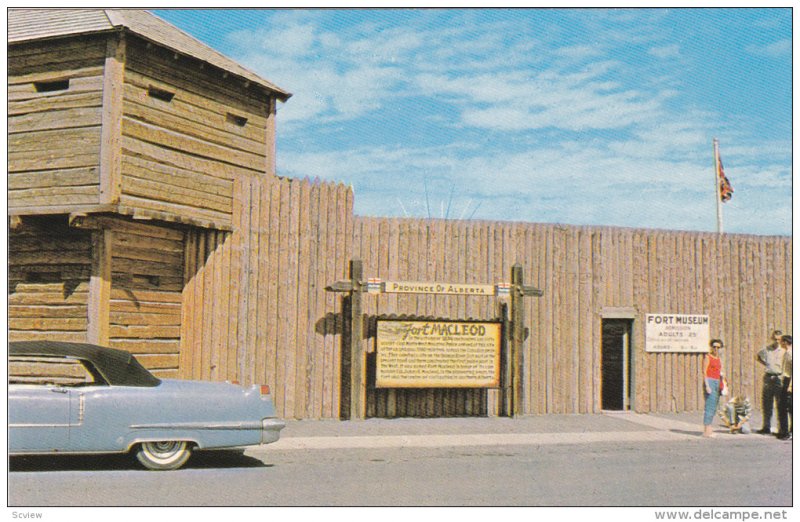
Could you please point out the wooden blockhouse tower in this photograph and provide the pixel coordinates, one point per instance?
(124, 134)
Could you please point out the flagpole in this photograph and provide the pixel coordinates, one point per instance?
(717, 187)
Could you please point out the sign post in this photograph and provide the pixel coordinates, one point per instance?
(358, 385)
(517, 333)
(473, 349)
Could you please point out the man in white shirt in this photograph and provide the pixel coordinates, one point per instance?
(772, 358)
(785, 402)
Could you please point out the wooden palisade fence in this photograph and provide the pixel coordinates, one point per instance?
(255, 308)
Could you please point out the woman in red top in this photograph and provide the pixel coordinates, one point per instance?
(712, 377)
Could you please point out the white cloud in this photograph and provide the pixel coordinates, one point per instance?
(773, 50)
(593, 134)
(665, 51)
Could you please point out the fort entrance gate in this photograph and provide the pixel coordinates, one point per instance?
(441, 352)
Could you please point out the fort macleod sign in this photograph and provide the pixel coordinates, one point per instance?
(438, 354)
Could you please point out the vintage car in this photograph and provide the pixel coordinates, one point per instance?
(81, 398)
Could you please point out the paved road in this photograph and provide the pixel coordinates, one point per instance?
(633, 460)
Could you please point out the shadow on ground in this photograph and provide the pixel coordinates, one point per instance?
(221, 459)
(697, 433)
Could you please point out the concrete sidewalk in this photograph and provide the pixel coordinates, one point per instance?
(500, 431)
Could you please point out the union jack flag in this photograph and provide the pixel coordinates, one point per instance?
(725, 188)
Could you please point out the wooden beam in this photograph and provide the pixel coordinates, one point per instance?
(517, 337)
(100, 288)
(14, 222)
(269, 167)
(86, 221)
(340, 286)
(62, 209)
(111, 126)
(358, 385)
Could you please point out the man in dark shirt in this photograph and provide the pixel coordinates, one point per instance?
(772, 358)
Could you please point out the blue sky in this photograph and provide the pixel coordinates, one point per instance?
(576, 116)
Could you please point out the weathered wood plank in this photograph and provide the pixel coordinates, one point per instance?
(183, 211)
(246, 283)
(233, 258)
(211, 186)
(25, 299)
(144, 331)
(100, 287)
(36, 310)
(48, 323)
(63, 336)
(302, 354)
(187, 308)
(54, 179)
(54, 196)
(34, 102)
(212, 127)
(177, 141)
(331, 380)
(150, 346)
(181, 160)
(159, 66)
(83, 140)
(294, 370)
(55, 119)
(272, 198)
(173, 195)
(63, 54)
(264, 358)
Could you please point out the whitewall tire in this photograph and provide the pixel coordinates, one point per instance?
(163, 455)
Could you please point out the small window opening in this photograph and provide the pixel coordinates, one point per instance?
(160, 94)
(151, 280)
(50, 86)
(236, 120)
(43, 277)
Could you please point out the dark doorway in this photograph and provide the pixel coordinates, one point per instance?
(617, 364)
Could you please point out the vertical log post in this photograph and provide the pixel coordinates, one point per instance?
(358, 385)
(505, 365)
(99, 304)
(517, 337)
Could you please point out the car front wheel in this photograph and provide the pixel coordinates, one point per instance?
(163, 455)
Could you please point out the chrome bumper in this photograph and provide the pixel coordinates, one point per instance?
(271, 430)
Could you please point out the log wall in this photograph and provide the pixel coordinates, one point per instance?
(186, 135)
(146, 294)
(255, 308)
(49, 265)
(742, 282)
(54, 130)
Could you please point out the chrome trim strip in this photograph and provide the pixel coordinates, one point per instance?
(81, 408)
(199, 426)
(52, 452)
(273, 424)
(39, 425)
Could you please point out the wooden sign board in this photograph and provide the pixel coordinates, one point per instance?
(410, 287)
(682, 333)
(434, 354)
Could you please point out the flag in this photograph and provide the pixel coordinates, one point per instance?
(725, 188)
